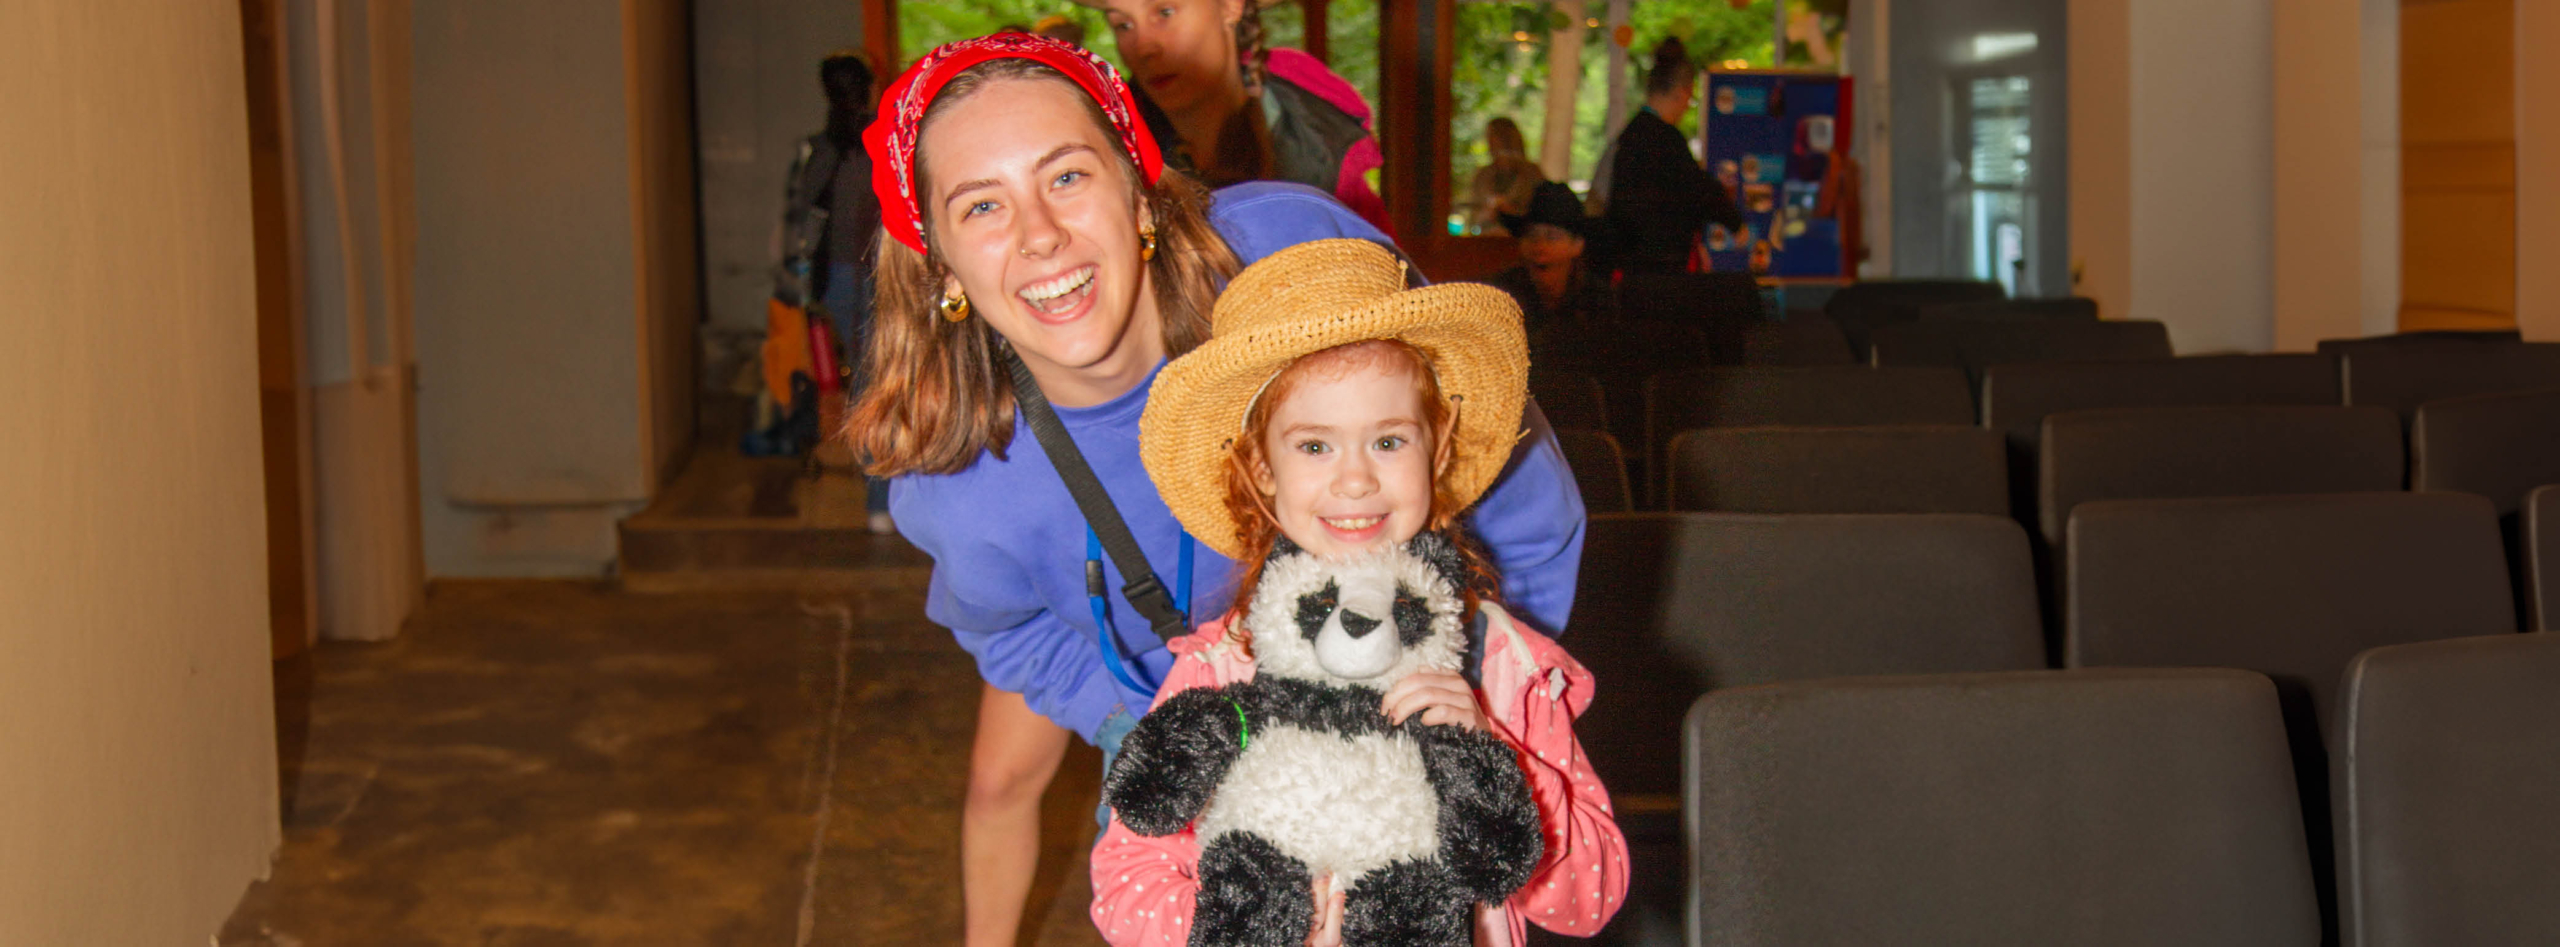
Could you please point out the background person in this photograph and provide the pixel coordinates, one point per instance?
(1506, 182)
(1241, 111)
(1030, 216)
(1660, 199)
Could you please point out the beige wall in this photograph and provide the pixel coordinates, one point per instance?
(138, 758)
(2317, 244)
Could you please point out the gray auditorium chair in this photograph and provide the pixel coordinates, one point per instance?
(2292, 587)
(2540, 532)
(1673, 604)
(1862, 306)
(1975, 346)
(2404, 378)
(1805, 338)
(2498, 446)
(2448, 793)
(2073, 308)
(2449, 340)
(2211, 451)
(1570, 400)
(2016, 398)
(1599, 468)
(1837, 396)
(1896, 469)
(2092, 808)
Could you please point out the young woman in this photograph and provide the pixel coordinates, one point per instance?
(1241, 111)
(1027, 214)
(1505, 183)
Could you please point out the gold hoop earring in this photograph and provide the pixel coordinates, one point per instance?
(1147, 244)
(955, 307)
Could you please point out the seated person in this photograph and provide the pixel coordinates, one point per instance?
(1556, 291)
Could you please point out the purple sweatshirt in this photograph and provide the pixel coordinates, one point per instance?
(1008, 544)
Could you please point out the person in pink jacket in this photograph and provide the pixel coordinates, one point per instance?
(1337, 413)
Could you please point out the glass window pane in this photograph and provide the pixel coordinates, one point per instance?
(1499, 70)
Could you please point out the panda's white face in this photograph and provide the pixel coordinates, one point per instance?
(1370, 619)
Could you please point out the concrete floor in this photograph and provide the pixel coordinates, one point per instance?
(561, 763)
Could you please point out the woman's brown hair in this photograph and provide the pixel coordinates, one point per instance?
(936, 397)
(1258, 534)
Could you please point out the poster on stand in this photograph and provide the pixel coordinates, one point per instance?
(1770, 141)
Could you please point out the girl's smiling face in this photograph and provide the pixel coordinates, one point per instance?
(1349, 451)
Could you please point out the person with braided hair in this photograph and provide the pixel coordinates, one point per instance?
(1240, 110)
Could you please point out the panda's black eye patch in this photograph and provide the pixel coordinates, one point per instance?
(1413, 617)
(1314, 607)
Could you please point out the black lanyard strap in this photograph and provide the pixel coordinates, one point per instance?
(1144, 591)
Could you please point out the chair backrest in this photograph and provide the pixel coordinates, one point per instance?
(1806, 338)
(2076, 308)
(2498, 446)
(2539, 532)
(2402, 378)
(1831, 396)
(1599, 468)
(1702, 297)
(1860, 307)
(1975, 346)
(1672, 604)
(1898, 469)
(2095, 808)
(1570, 400)
(2289, 586)
(2016, 398)
(1839, 396)
(2211, 451)
(2436, 341)
(2446, 781)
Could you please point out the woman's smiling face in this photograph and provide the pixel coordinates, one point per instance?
(1036, 215)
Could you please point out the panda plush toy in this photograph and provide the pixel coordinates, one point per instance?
(1296, 773)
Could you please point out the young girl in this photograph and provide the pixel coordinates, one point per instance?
(1344, 413)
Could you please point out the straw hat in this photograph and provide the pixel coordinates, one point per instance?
(1308, 298)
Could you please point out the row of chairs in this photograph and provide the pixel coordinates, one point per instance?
(2104, 807)
(1675, 605)
(2015, 398)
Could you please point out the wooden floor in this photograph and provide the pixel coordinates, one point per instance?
(561, 763)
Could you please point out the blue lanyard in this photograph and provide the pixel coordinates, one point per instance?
(1112, 658)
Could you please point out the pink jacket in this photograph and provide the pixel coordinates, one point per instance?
(1143, 887)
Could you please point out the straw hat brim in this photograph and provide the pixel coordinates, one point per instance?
(1471, 333)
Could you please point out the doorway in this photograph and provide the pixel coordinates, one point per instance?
(1992, 201)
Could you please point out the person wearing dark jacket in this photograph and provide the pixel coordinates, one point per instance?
(1558, 294)
(1660, 199)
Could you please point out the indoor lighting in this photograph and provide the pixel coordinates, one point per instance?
(1990, 46)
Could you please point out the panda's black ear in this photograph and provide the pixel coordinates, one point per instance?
(1438, 549)
(1281, 548)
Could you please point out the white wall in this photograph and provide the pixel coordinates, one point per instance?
(534, 309)
(137, 757)
(2203, 173)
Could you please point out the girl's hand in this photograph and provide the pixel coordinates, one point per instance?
(1328, 929)
(1442, 698)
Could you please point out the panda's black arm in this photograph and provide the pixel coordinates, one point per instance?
(1172, 762)
(1489, 830)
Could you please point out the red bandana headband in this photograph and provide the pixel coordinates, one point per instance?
(891, 138)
